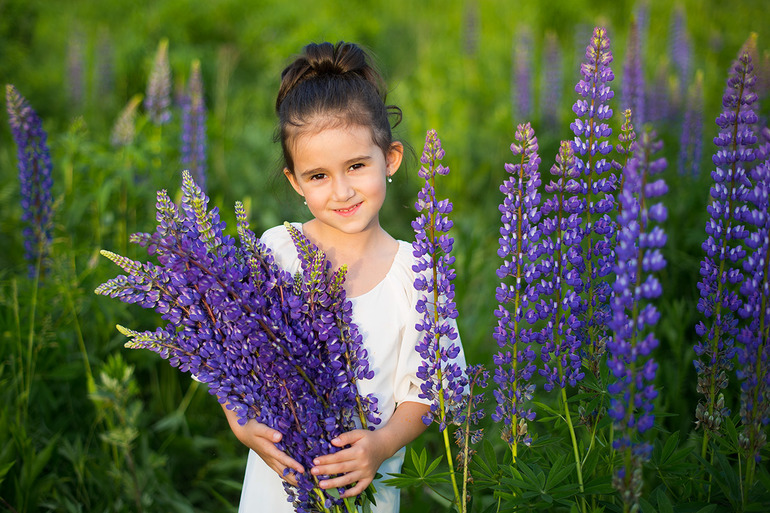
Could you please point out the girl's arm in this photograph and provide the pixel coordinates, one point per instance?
(368, 449)
(262, 439)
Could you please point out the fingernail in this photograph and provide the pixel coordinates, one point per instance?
(316, 461)
(335, 440)
(276, 436)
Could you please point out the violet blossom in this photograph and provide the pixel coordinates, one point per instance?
(522, 75)
(194, 127)
(561, 268)
(639, 258)
(157, 101)
(519, 249)
(633, 76)
(724, 246)
(598, 184)
(753, 350)
(440, 369)
(691, 141)
(35, 179)
(271, 346)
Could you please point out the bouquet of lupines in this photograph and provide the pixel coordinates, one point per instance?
(273, 347)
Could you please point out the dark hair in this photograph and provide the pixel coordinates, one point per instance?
(334, 81)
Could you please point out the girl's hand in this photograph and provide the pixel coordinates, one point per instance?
(357, 464)
(261, 439)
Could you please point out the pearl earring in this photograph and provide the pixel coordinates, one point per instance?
(390, 179)
(305, 202)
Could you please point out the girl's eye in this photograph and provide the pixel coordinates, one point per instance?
(318, 176)
(356, 166)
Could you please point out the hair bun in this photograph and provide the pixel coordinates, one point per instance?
(338, 59)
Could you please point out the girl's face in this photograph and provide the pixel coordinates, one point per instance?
(342, 173)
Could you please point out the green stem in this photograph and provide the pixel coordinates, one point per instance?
(31, 337)
(568, 418)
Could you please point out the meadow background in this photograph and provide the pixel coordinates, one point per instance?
(87, 425)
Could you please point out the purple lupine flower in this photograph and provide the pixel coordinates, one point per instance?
(441, 372)
(157, 101)
(471, 28)
(720, 271)
(680, 50)
(633, 76)
(75, 69)
(554, 79)
(598, 184)
(194, 127)
(626, 147)
(639, 257)
(124, 129)
(691, 142)
(561, 268)
(754, 348)
(522, 75)
(269, 345)
(35, 178)
(519, 247)
(105, 63)
(642, 17)
(472, 412)
(657, 101)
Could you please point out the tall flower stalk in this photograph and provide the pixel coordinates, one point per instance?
(634, 315)
(519, 249)
(271, 346)
(157, 101)
(440, 369)
(35, 178)
(633, 75)
(194, 127)
(754, 348)
(691, 142)
(724, 247)
(598, 183)
(561, 269)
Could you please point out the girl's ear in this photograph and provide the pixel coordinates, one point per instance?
(292, 180)
(394, 157)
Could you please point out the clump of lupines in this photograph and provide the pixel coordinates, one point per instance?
(598, 184)
(639, 257)
(124, 129)
(157, 101)
(724, 246)
(690, 146)
(35, 178)
(633, 76)
(441, 372)
(519, 249)
(754, 348)
(472, 412)
(194, 127)
(271, 346)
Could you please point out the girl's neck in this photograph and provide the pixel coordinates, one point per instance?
(368, 254)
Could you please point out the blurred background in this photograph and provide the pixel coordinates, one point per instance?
(90, 426)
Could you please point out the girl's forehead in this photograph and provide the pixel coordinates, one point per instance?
(323, 131)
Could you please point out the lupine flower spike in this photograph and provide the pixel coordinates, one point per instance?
(691, 142)
(519, 249)
(441, 368)
(124, 130)
(194, 127)
(34, 177)
(522, 75)
(754, 348)
(598, 184)
(271, 346)
(724, 246)
(554, 80)
(633, 76)
(157, 101)
(639, 258)
(472, 413)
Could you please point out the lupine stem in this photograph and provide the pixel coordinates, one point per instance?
(578, 467)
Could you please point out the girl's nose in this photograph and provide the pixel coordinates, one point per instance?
(342, 189)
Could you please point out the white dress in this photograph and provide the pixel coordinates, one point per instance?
(386, 318)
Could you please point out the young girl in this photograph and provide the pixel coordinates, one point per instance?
(339, 156)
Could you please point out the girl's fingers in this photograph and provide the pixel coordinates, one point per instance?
(264, 431)
(357, 489)
(339, 481)
(333, 468)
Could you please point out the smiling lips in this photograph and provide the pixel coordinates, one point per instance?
(348, 211)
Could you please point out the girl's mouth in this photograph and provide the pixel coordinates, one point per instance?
(348, 211)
